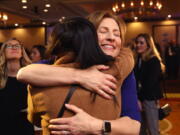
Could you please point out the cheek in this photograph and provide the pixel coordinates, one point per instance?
(7, 53)
(119, 42)
(100, 37)
(144, 48)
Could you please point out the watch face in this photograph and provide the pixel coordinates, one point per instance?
(107, 126)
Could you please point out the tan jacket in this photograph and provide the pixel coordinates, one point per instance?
(45, 103)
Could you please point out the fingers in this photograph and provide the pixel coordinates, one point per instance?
(58, 127)
(111, 85)
(104, 94)
(102, 67)
(60, 132)
(60, 121)
(108, 90)
(73, 108)
(111, 78)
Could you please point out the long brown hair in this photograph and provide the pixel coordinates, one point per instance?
(97, 17)
(151, 51)
(3, 62)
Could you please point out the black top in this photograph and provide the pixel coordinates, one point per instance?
(13, 100)
(148, 75)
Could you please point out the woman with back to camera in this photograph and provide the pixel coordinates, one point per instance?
(74, 41)
(148, 70)
(13, 94)
(119, 126)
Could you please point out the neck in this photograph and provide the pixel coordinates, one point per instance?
(12, 67)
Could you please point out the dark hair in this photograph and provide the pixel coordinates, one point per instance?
(78, 35)
(41, 50)
(1, 43)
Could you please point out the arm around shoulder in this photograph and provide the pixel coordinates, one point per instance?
(125, 62)
(46, 75)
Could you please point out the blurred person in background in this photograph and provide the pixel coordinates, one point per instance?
(13, 94)
(37, 53)
(148, 70)
(172, 60)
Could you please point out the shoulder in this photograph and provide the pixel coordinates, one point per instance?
(153, 60)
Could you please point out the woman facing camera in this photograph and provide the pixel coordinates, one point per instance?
(13, 94)
(148, 71)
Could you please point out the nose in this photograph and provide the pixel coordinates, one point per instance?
(138, 44)
(110, 36)
(14, 48)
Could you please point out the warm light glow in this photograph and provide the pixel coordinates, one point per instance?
(150, 3)
(132, 4)
(139, 8)
(4, 17)
(43, 23)
(160, 6)
(24, 1)
(168, 22)
(116, 6)
(114, 9)
(135, 18)
(16, 24)
(47, 5)
(157, 4)
(142, 3)
(24, 7)
(45, 10)
(169, 16)
(123, 5)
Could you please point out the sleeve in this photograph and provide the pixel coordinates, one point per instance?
(33, 117)
(125, 62)
(129, 98)
(153, 74)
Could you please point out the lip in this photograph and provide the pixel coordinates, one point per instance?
(14, 52)
(108, 46)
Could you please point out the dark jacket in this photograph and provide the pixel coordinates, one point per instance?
(148, 79)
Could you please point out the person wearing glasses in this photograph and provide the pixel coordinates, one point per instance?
(13, 94)
(148, 70)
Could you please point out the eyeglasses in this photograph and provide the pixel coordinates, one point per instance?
(139, 42)
(16, 46)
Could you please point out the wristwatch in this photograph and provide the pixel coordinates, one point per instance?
(106, 128)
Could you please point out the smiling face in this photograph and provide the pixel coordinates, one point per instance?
(109, 37)
(13, 50)
(35, 55)
(141, 45)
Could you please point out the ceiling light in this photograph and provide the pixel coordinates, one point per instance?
(24, 1)
(45, 10)
(135, 18)
(24, 7)
(169, 16)
(47, 5)
(139, 8)
(16, 24)
(44, 23)
(3, 16)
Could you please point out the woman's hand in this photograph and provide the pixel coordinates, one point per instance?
(94, 80)
(79, 124)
